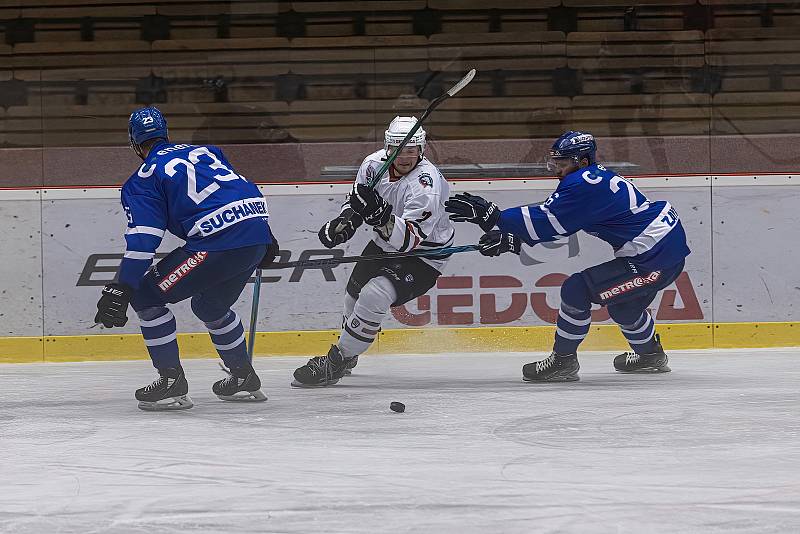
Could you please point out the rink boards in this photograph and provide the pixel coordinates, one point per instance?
(738, 288)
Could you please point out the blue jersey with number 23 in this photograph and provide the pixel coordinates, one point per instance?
(193, 192)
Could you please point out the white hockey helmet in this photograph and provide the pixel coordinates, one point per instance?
(398, 129)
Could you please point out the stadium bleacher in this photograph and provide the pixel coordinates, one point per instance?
(279, 71)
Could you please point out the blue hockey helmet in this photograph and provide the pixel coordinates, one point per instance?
(146, 123)
(574, 146)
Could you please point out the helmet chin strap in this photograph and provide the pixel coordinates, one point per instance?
(138, 149)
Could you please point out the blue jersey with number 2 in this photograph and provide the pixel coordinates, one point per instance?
(598, 201)
(193, 192)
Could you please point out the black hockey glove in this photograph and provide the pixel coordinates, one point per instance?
(369, 204)
(273, 249)
(340, 229)
(112, 308)
(496, 242)
(474, 209)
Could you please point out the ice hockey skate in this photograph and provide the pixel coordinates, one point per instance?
(321, 371)
(653, 362)
(554, 368)
(167, 392)
(241, 385)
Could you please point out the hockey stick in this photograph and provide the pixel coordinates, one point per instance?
(433, 105)
(396, 152)
(251, 335)
(332, 262)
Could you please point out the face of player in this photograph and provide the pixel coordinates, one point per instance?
(564, 166)
(406, 160)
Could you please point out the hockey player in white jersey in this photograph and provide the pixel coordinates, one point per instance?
(406, 211)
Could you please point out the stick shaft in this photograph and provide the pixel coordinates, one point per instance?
(433, 105)
(396, 152)
(325, 262)
(251, 334)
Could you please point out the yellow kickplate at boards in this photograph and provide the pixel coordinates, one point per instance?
(404, 340)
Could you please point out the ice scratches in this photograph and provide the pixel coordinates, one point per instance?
(58, 404)
(150, 474)
(701, 424)
(532, 430)
(620, 481)
(59, 430)
(713, 447)
(790, 507)
(335, 519)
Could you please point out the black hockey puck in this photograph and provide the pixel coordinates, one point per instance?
(398, 407)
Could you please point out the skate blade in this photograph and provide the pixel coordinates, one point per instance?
(296, 384)
(172, 403)
(573, 378)
(647, 370)
(245, 396)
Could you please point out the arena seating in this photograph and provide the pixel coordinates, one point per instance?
(634, 115)
(756, 112)
(99, 125)
(278, 71)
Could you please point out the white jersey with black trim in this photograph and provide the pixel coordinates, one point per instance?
(417, 200)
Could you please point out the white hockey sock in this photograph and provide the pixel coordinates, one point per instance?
(349, 304)
(362, 325)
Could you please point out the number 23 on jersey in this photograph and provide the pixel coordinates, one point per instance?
(191, 168)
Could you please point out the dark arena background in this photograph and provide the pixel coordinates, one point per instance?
(696, 102)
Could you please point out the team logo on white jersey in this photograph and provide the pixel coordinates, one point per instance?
(426, 180)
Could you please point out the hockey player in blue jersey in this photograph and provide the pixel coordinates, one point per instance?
(649, 247)
(193, 192)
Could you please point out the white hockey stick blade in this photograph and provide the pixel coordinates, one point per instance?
(462, 84)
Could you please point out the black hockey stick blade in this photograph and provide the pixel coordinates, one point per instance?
(332, 262)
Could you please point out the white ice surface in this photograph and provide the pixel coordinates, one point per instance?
(712, 447)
